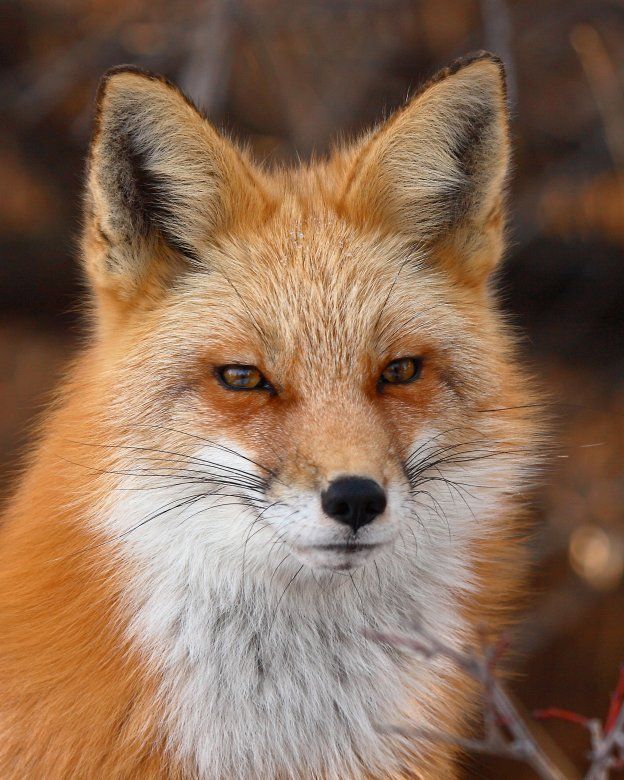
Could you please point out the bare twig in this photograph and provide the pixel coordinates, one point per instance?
(608, 745)
(505, 733)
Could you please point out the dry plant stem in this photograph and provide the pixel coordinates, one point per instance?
(524, 745)
(607, 742)
(607, 750)
(506, 734)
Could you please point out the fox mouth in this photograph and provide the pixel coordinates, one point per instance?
(337, 557)
(346, 547)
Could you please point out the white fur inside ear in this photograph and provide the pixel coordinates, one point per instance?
(161, 179)
(436, 170)
(265, 669)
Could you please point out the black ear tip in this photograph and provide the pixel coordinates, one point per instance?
(134, 70)
(146, 75)
(461, 63)
(480, 56)
(104, 84)
(119, 70)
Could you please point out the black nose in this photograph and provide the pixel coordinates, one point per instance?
(355, 501)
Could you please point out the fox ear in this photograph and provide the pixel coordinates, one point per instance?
(435, 171)
(162, 183)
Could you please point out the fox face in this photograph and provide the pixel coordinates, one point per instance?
(301, 415)
(328, 332)
(312, 389)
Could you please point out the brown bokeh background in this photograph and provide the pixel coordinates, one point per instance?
(288, 76)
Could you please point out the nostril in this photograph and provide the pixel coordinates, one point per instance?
(354, 501)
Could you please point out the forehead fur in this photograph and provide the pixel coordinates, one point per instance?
(310, 281)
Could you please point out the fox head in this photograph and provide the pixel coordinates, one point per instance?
(309, 365)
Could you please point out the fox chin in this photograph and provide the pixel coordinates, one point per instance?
(298, 418)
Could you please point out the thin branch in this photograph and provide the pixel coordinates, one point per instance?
(608, 750)
(505, 732)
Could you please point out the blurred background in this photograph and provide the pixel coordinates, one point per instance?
(286, 78)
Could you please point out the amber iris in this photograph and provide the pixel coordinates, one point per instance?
(401, 371)
(242, 377)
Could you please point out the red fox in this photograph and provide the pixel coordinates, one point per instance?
(298, 416)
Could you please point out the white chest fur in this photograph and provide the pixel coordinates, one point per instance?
(266, 670)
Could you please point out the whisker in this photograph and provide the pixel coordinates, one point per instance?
(220, 446)
(184, 458)
(290, 582)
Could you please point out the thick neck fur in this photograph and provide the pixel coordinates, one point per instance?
(265, 668)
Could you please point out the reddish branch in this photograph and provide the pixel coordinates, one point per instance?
(617, 701)
(607, 742)
(505, 732)
(556, 713)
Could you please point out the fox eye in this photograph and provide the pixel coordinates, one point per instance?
(242, 378)
(401, 371)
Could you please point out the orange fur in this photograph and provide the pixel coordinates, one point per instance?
(299, 263)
